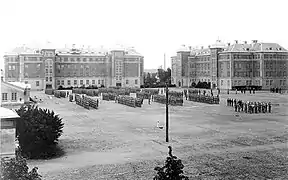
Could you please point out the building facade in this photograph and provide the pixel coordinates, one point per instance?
(14, 94)
(51, 68)
(238, 65)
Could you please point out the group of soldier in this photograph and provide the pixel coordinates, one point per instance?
(243, 91)
(204, 97)
(250, 107)
(275, 90)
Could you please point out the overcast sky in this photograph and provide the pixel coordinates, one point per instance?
(153, 27)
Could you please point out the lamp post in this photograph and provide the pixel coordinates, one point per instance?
(167, 123)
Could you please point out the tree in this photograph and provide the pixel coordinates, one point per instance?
(16, 168)
(172, 170)
(37, 131)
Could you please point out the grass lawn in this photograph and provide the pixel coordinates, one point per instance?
(213, 141)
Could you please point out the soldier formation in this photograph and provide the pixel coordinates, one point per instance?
(197, 96)
(275, 90)
(250, 107)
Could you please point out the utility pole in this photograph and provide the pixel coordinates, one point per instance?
(167, 123)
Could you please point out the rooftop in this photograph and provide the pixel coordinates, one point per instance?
(7, 113)
(21, 85)
(262, 47)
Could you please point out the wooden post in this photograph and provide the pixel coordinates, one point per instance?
(167, 123)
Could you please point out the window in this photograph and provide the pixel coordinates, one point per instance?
(46, 71)
(81, 82)
(50, 78)
(87, 82)
(221, 82)
(58, 82)
(26, 82)
(271, 81)
(37, 83)
(46, 79)
(102, 82)
(228, 82)
(98, 81)
(75, 82)
(4, 96)
(50, 71)
(13, 96)
(62, 82)
(10, 68)
(68, 82)
(127, 81)
(93, 81)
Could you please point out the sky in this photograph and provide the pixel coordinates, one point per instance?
(154, 28)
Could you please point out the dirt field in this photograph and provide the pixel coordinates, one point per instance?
(213, 141)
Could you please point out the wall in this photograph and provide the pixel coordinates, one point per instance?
(9, 90)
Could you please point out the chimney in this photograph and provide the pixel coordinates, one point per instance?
(236, 41)
(245, 42)
(209, 46)
(73, 46)
(202, 47)
(228, 44)
(254, 41)
(190, 48)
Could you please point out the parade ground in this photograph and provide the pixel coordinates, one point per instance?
(213, 141)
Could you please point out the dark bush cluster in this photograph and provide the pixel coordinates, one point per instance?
(17, 169)
(37, 131)
(162, 85)
(172, 170)
(201, 85)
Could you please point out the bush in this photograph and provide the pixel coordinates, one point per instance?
(16, 168)
(38, 131)
(172, 170)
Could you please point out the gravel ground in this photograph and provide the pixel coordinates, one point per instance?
(214, 142)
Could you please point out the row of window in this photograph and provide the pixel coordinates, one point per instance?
(75, 82)
(247, 82)
(276, 73)
(136, 81)
(49, 79)
(11, 67)
(11, 59)
(72, 59)
(13, 96)
(270, 82)
(240, 65)
(275, 56)
(252, 56)
(274, 64)
(247, 74)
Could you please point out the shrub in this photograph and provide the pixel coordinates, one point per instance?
(16, 168)
(172, 170)
(37, 131)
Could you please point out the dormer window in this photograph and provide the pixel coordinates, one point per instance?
(270, 48)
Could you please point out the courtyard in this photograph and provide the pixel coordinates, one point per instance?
(213, 141)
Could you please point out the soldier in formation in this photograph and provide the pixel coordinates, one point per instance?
(195, 95)
(250, 107)
(185, 93)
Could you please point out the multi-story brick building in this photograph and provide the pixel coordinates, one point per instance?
(52, 68)
(255, 65)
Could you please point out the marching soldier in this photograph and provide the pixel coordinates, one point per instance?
(255, 108)
(269, 107)
(245, 107)
(149, 99)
